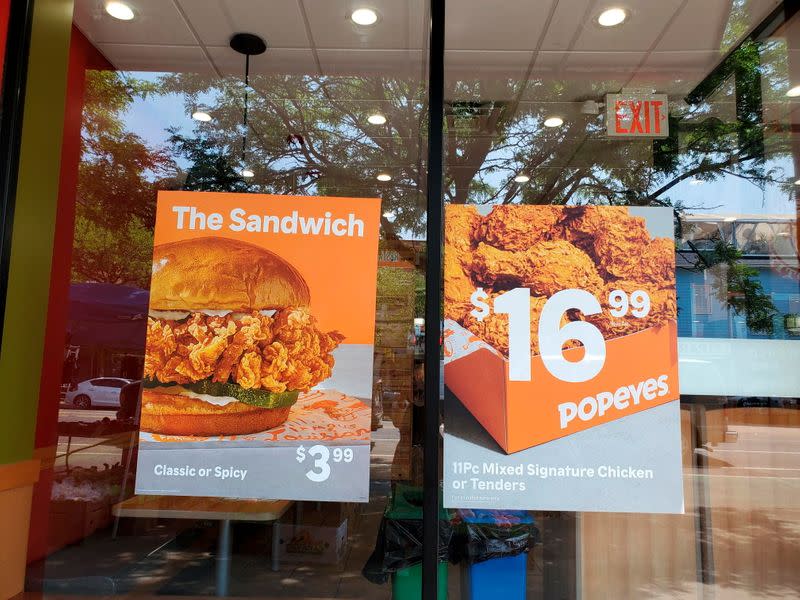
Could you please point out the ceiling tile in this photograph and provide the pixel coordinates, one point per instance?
(177, 59)
(482, 75)
(477, 25)
(578, 76)
(565, 24)
(674, 73)
(156, 22)
(646, 21)
(702, 24)
(279, 22)
(388, 63)
(273, 61)
(401, 24)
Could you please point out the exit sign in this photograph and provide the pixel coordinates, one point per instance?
(637, 115)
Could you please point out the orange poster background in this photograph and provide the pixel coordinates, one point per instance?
(341, 272)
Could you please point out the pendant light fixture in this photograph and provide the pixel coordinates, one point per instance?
(248, 44)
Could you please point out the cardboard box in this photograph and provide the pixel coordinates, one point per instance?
(517, 418)
(320, 534)
(311, 544)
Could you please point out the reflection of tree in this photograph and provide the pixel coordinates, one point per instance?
(738, 286)
(116, 186)
(490, 142)
(310, 135)
(211, 168)
(316, 127)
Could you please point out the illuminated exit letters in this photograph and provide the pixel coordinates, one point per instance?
(637, 115)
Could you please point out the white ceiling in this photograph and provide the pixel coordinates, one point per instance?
(666, 44)
(304, 36)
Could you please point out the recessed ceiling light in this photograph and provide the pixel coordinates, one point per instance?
(247, 173)
(797, 182)
(522, 178)
(201, 115)
(384, 177)
(553, 122)
(364, 16)
(120, 10)
(376, 119)
(612, 16)
(794, 92)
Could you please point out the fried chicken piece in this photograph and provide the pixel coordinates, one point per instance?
(459, 226)
(298, 358)
(248, 371)
(494, 267)
(546, 268)
(284, 352)
(493, 329)
(519, 227)
(460, 223)
(550, 267)
(457, 285)
(253, 329)
(658, 262)
(457, 310)
(612, 237)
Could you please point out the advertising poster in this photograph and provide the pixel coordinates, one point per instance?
(560, 359)
(258, 365)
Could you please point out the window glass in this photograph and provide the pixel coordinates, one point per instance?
(527, 122)
(332, 108)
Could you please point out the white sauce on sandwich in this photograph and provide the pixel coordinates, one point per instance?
(181, 391)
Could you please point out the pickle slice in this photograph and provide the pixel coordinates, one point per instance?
(260, 398)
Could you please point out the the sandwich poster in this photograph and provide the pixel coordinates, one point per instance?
(560, 359)
(258, 366)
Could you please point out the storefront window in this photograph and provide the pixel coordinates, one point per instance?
(619, 324)
(529, 123)
(162, 103)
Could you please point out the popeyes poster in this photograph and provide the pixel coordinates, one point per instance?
(560, 359)
(258, 364)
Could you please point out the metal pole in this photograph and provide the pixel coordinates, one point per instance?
(433, 300)
(223, 558)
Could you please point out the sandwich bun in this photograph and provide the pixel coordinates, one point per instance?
(173, 414)
(222, 274)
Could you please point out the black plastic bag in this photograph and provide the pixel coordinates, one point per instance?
(484, 535)
(399, 545)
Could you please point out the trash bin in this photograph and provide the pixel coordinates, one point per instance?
(493, 548)
(398, 549)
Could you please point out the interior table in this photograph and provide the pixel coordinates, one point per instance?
(214, 509)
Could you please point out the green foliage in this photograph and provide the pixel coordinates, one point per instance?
(394, 282)
(117, 182)
(121, 255)
(211, 169)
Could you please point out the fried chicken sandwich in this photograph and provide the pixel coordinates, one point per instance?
(230, 340)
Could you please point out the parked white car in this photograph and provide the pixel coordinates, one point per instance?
(101, 391)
